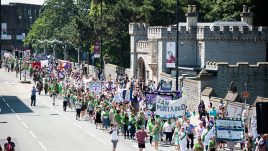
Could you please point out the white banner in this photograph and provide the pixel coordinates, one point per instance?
(228, 123)
(95, 87)
(44, 63)
(170, 108)
(228, 134)
(170, 54)
(234, 110)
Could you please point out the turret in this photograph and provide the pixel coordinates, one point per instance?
(247, 15)
(191, 16)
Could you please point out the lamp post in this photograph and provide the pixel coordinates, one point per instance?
(177, 45)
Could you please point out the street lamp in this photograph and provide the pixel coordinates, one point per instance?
(177, 45)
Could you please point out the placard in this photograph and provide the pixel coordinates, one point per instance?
(228, 123)
(230, 134)
(170, 54)
(170, 108)
(234, 110)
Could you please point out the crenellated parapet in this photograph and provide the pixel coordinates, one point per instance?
(214, 66)
(138, 29)
(232, 33)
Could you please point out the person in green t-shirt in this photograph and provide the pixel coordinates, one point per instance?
(212, 144)
(150, 129)
(199, 145)
(125, 122)
(132, 127)
(156, 133)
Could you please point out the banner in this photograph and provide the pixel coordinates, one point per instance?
(95, 87)
(229, 130)
(234, 110)
(165, 85)
(44, 63)
(4, 29)
(97, 49)
(170, 54)
(170, 108)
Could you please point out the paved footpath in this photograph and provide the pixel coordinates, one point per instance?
(46, 127)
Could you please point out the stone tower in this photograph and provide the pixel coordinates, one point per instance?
(137, 32)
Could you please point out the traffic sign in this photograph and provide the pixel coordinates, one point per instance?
(245, 94)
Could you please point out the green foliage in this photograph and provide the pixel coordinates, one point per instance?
(84, 22)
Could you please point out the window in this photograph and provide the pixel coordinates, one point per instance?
(29, 12)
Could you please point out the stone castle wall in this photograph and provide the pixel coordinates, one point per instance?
(256, 77)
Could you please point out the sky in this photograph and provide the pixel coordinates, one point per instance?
(39, 2)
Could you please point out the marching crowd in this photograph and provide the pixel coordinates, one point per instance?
(132, 119)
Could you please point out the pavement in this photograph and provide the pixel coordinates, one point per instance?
(48, 128)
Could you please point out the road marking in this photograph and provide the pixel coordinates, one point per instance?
(34, 136)
(7, 105)
(24, 125)
(4, 100)
(77, 125)
(42, 145)
(89, 133)
(12, 110)
(68, 119)
(102, 141)
(18, 117)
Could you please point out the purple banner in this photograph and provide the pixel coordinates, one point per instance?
(97, 49)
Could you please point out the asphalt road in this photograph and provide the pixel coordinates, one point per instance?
(46, 127)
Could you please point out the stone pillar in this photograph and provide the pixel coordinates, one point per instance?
(247, 15)
(191, 16)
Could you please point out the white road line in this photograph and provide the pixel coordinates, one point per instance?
(4, 100)
(7, 105)
(68, 119)
(77, 125)
(12, 110)
(18, 117)
(42, 145)
(90, 133)
(102, 141)
(34, 136)
(24, 125)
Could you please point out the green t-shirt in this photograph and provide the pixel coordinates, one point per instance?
(211, 144)
(198, 147)
(150, 128)
(125, 120)
(117, 118)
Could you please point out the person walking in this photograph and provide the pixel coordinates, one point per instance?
(168, 129)
(125, 122)
(156, 133)
(114, 136)
(33, 96)
(199, 145)
(9, 146)
(183, 139)
(78, 106)
(189, 128)
(141, 135)
(176, 135)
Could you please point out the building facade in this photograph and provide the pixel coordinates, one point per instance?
(153, 47)
(16, 20)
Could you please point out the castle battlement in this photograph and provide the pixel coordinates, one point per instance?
(138, 28)
(232, 33)
(210, 65)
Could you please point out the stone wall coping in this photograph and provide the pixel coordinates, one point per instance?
(214, 65)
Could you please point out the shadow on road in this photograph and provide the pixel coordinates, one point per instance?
(15, 103)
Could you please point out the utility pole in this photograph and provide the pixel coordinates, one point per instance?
(177, 45)
(101, 61)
